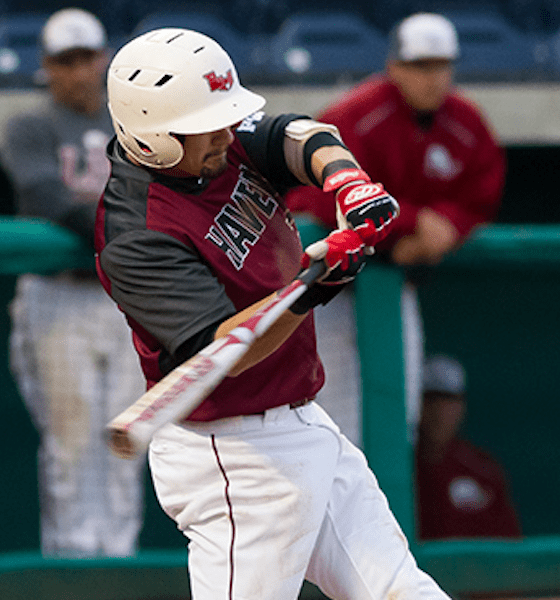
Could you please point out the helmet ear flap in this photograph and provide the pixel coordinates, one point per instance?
(169, 149)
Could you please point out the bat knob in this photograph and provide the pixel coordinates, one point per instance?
(121, 444)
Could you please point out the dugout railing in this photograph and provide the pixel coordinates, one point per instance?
(502, 265)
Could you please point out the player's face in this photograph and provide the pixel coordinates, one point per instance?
(205, 154)
(442, 415)
(77, 79)
(424, 84)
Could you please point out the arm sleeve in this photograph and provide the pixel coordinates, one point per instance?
(313, 201)
(262, 138)
(165, 287)
(30, 154)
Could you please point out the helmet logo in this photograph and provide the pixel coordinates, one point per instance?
(219, 82)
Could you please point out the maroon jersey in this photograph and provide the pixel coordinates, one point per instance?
(464, 495)
(448, 161)
(180, 256)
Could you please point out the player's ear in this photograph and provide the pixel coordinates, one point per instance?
(43, 74)
(46, 62)
(104, 57)
(391, 68)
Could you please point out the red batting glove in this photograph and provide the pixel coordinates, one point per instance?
(364, 206)
(343, 253)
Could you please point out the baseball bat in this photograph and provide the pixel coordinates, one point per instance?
(182, 390)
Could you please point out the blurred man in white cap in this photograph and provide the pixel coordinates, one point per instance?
(411, 129)
(461, 490)
(66, 333)
(75, 57)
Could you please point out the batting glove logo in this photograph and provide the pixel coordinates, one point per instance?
(369, 191)
(219, 82)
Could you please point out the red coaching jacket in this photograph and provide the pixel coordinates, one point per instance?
(464, 495)
(450, 163)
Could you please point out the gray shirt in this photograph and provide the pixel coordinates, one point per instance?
(56, 159)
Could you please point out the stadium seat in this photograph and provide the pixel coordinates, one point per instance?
(494, 50)
(237, 47)
(20, 59)
(538, 17)
(326, 47)
(550, 47)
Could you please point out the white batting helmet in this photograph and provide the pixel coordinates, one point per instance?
(173, 81)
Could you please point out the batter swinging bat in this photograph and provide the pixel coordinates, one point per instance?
(183, 389)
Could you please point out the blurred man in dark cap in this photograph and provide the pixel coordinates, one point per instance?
(461, 490)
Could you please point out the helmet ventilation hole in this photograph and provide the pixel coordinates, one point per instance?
(163, 80)
(144, 147)
(134, 75)
(172, 39)
(198, 50)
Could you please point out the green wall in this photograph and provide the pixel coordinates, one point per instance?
(505, 328)
(19, 507)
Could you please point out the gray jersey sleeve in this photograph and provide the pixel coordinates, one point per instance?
(30, 155)
(178, 298)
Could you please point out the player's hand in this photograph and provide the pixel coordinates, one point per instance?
(435, 236)
(362, 205)
(343, 252)
(368, 209)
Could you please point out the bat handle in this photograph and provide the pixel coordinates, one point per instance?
(313, 272)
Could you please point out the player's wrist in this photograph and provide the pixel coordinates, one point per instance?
(335, 182)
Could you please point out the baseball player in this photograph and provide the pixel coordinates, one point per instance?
(70, 348)
(192, 234)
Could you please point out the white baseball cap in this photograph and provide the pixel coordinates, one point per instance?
(424, 35)
(445, 375)
(72, 28)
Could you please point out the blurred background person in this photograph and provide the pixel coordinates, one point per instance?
(462, 490)
(70, 349)
(411, 129)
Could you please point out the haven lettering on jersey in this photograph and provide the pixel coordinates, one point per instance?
(238, 226)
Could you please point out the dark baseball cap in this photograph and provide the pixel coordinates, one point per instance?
(445, 375)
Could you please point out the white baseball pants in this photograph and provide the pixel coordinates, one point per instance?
(270, 500)
(72, 355)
